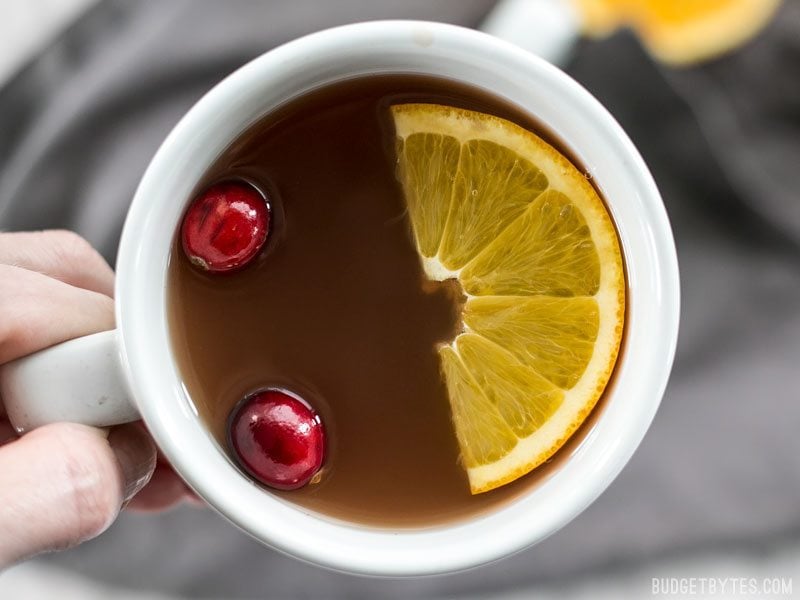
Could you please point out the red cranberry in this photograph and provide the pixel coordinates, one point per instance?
(278, 439)
(225, 227)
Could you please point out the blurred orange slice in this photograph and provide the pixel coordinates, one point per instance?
(680, 31)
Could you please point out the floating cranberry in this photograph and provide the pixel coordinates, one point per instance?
(278, 439)
(225, 227)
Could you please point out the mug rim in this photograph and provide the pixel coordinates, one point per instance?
(228, 109)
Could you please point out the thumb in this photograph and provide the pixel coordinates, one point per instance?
(63, 484)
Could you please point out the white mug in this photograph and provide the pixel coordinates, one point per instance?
(117, 376)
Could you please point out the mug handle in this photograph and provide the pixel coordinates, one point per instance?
(547, 28)
(77, 381)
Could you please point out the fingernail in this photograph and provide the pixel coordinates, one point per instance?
(136, 454)
(194, 500)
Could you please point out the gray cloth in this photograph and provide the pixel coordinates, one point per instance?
(721, 464)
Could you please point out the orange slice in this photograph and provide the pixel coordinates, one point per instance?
(536, 253)
(680, 31)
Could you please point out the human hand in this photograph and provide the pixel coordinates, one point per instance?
(64, 483)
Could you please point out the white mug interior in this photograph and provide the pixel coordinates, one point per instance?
(505, 71)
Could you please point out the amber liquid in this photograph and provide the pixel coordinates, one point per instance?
(337, 308)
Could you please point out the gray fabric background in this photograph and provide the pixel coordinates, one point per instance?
(721, 464)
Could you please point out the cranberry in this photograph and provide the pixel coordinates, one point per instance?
(278, 439)
(225, 227)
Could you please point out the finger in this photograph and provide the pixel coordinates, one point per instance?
(164, 491)
(61, 254)
(37, 311)
(194, 500)
(63, 484)
(7, 432)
